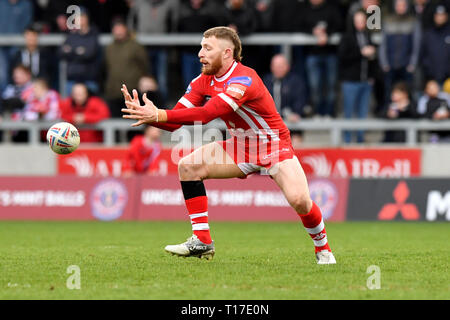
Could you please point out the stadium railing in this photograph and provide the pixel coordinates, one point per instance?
(284, 40)
(335, 128)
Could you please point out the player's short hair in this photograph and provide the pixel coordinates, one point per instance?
(228, 34)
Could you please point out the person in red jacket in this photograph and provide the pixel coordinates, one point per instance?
(143, 154)
(83, 108)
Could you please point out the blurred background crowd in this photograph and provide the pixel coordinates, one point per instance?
(405, 74)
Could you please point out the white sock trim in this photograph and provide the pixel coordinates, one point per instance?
(316, 229)
(320, 243)
(200, 226)
(198, 215)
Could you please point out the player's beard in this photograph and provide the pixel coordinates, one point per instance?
(212, 68)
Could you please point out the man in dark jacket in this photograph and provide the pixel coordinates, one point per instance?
(81, 50)
(289, 93)
(34, 57)
(436, 47)
(287, 89)
(196, 16)
(320, 19)
(125, 61)
(400, 46)
(357, 60)
(240, 16)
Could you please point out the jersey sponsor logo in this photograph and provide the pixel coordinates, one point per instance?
(188, 90)
(246, 81)
(236, 91)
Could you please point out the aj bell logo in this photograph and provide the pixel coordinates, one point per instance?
(407, 210)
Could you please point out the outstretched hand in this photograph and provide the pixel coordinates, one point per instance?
(148, 113)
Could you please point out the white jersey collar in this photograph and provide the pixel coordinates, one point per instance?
(226, 75)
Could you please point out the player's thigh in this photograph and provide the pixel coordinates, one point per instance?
(210, 161)
(290, 177)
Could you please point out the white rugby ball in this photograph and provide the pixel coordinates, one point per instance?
(63, 138)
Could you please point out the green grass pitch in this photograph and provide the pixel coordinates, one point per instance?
(126, 260)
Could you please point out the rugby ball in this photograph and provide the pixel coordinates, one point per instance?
(63, 138)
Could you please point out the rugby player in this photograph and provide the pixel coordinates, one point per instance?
(260, 141)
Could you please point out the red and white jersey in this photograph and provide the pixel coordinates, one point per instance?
(244, 91)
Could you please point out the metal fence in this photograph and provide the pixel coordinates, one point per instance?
(286, 41)
(334, 128)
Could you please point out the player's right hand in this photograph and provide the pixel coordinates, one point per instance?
(146, 114)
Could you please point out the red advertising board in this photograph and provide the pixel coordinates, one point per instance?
(89, 162)
(158, 198)
(323, 162)
(56, 198)
(256, 198)
(361, 162)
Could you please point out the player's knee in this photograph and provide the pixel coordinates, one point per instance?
(188, 170)
(301, 203)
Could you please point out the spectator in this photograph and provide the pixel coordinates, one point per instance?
(164, 18)
(126, 61)
(148, 84)
(287, 89)
(288, 92)
(42, 103)
(424, 12)
(14, 95)
(264, 13)
(320, 19)
(142, 156)
(401, 107)
(81, 50)
(435, 105)
(285, 14)
(107, 11)
(285, 17)
(54, 15)
(357, 60)
(240, 16)
(15, 16)
(358, 6)
(446, 86)
(36, 58)
(378, 88)
(436, 47)
(400, 46)
(195, 16)
(84, 108)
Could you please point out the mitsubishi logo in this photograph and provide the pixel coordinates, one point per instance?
(407, 210)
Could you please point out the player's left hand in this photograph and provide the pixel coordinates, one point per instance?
(148, 113)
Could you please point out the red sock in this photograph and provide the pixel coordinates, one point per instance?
(314, 225)
(198, 212)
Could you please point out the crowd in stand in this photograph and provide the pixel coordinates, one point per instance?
(405, 74)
